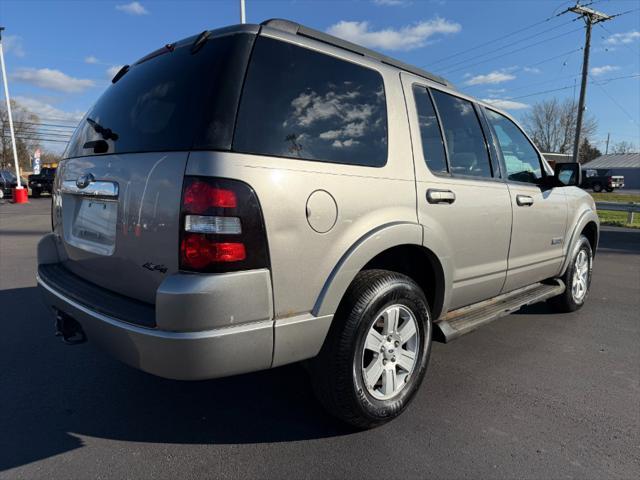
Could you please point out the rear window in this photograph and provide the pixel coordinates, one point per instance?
(303, 104)
(173, 99)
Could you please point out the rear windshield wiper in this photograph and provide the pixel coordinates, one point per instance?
(106, 133)
(120, 74)
(200, 41)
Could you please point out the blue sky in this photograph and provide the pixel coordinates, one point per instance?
(61, 54)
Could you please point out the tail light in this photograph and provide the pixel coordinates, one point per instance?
(610, 180)
(222, 229)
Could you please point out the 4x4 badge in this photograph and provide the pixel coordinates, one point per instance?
(155, 268)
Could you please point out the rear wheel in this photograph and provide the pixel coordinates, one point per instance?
(609, 189)
(597, 187)
(36, 192)
(377, 351)
(577, 279)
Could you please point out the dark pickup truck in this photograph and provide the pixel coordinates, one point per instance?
(600, 179)
(42, 182)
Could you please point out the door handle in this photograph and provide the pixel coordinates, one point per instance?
(524, 200)
(440, 196)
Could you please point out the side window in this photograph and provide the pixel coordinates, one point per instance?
(468, 154)
(432, 144)
(520, 158)
(303, 104)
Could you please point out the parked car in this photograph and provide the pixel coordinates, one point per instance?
(42, 182)
(8, 182)
(265, 194)
(601, 179)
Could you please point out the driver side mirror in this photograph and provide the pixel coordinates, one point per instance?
(568, 174)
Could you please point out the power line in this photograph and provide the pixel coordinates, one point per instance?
(506, 46)
(490, 41)
(622, 109)
(40, 139)
(47, 125)
(565, 88)
(448, 72)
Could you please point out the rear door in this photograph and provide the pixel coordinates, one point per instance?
(118, 192)
(461, 197)
(539, 214)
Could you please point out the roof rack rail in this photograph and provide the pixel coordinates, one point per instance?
(297, 29)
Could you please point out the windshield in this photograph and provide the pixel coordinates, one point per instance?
(177, 98)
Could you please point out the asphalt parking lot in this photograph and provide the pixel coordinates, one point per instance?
(533, 395)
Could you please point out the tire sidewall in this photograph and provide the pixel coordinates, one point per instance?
(407, 295)
(597, 187)
(583, 245)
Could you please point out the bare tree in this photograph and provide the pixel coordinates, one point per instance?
(552, 125)
(624, 147)
(25, 124)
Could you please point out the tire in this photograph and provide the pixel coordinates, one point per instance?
(338, 372)
(36, 192)
(609, 189)
(597, 187)
(570, 300)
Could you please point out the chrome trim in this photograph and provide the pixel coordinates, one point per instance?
(94, 189)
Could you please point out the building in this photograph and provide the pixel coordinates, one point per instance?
(553, 158)
(626, 164)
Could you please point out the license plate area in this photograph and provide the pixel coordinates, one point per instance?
(93, 225)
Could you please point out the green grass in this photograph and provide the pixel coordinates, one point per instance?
(615, 197)
(617, 219)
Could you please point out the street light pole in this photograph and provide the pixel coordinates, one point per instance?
(6, 96)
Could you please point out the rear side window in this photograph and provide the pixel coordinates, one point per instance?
(303, 104)
(432, 145)
(177, 98)
(521, 159)
(468, 154)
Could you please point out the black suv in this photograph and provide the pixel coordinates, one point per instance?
(42, 182)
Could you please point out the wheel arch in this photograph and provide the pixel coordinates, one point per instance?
(396, 247)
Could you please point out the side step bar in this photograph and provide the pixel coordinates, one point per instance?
(466, 319)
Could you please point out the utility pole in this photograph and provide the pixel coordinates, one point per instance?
(606, 150)
(6, 96)
(590, 17)
(243, 18)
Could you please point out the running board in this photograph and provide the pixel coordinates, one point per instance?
(466, 319)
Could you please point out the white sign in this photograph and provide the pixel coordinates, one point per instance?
(36, 162)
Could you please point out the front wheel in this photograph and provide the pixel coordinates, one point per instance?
(577, 279)
(376, 354)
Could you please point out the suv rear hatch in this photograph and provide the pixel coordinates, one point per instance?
(118, 192)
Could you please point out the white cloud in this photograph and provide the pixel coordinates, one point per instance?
(90, 59)
(627, 37)
(532, 70)
(595, 71)
(490, 78)
(48, 111)
(404, 38)
(111, 71)
(52, 79)
(505, 104)
(13, 44)
(392, 3)
(133, 8)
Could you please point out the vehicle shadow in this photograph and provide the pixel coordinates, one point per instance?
(52, 394)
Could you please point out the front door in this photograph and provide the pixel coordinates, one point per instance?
(460, 197)
(539, 214)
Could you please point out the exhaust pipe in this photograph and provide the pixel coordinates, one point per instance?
(69, 329)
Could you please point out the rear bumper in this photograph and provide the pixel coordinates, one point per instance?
(202, 326)
(179, 355)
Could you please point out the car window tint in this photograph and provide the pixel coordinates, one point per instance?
(468, 154)
(432, 144)
(303, 104)
(170, 100)
(520, 158)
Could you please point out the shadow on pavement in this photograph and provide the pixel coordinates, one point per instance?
(50, 393)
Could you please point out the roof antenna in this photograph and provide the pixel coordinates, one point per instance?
(243, 18)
